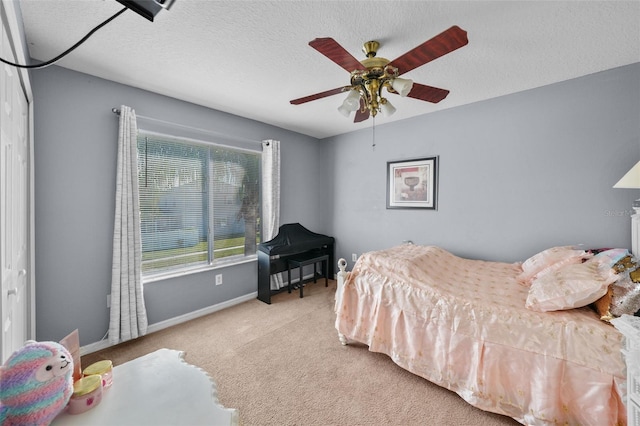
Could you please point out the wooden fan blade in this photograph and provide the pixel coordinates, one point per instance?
(445, 42)
(362, 113)
(317, 96)
(332, 50)
(427, 93)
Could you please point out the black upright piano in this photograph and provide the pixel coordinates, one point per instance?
(293, 239)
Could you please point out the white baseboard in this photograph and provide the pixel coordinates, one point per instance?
(103, 344)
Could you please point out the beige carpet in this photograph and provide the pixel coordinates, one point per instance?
(282, 364)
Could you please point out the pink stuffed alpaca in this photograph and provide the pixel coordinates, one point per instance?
(36, 383)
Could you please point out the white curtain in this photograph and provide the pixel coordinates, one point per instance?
(128, 318)
(271, 198)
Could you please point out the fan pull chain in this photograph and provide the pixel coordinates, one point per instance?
(373, 133)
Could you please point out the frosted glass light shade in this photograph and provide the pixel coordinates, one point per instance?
(402, 86)
(344, 110)
(351, 103)
(387, 109)
(631, 179)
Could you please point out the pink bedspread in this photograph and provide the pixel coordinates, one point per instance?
(462, 324)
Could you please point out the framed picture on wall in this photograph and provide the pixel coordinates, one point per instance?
(412, 184)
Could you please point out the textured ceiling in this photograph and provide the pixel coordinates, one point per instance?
(250, 58)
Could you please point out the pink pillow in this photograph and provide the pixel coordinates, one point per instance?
(614, 255)
(550, 260)
(571, 286)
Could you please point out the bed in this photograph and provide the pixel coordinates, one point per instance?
(486, 331)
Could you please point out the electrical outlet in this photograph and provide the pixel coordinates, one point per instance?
(108, 300)
(354, 257)
(219, 279)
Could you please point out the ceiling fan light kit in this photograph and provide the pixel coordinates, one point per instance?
(370, 82)
(370, 76)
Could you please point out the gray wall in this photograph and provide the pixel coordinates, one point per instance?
(75, 162)
(518, 173)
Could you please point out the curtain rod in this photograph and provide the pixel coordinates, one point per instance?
(210, 132)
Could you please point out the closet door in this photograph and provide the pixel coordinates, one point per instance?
(14, 203)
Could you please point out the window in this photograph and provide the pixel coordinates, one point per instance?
(199, 203)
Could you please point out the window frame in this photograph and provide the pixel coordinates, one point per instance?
(212, 263)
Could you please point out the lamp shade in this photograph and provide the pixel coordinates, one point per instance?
(402, 86)
(351, 103)
(344, 110)
(631, 179)
(387, 109)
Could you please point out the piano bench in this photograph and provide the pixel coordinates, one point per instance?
(308, 259)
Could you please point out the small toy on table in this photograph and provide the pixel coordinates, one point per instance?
(36, 383)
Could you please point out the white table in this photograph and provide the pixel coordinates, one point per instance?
(159, 388)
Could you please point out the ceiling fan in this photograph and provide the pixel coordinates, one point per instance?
(370, 76)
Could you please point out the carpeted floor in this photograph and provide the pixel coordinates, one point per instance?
(282, 364)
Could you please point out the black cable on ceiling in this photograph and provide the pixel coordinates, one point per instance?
(66, 52)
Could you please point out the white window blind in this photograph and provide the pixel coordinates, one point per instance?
(199, 203)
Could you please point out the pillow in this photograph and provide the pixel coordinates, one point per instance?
(571, 286)
(626, 296)
(549, 260)
(626, 263)
(603, 304)
(623, 296)
(613, 255)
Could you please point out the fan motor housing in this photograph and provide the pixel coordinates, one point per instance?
(374, 62)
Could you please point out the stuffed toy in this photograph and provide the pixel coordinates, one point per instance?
(36, 383)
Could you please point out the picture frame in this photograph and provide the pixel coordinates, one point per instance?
(413, 184)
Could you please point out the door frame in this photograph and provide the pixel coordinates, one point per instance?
(13, 17)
